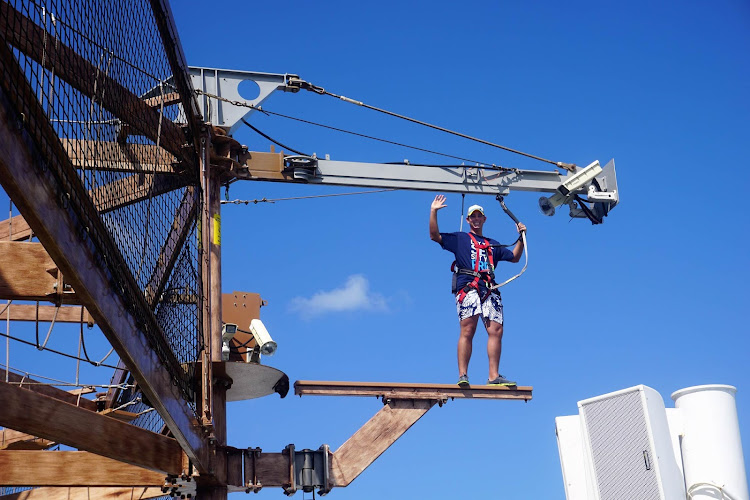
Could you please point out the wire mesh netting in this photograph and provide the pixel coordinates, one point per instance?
(92, 84)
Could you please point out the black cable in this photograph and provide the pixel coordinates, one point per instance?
(365, 136)
(586, 210)
(52, 350)
(272, 140)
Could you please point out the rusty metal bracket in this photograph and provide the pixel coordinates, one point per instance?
(250, 461)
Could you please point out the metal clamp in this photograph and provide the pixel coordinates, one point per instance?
(250, 458)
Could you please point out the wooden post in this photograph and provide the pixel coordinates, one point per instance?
(214, 390)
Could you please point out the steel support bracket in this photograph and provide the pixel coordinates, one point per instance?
(308, 470)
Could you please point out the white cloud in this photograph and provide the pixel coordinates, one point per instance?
(355, 295)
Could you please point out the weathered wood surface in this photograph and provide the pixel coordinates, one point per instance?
(29, 312)
(15, 440)
(373, 438)
(30, 384)
(27, 272)
(86, 493)
(113, 156)
(35, 194)
(398, 390)
(15, 229)
(71, 468)
(42, 416)
(31, 39)
(132, 189)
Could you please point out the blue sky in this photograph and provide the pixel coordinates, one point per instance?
(657, 295)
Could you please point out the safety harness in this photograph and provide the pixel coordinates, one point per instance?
(486, 276)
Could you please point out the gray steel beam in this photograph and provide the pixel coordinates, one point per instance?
(459, 179)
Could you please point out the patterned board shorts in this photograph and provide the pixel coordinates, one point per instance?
(491, 309)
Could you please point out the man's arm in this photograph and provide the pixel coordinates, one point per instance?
(437, 204)
(518, 249)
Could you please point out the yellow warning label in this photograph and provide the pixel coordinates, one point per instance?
(217, 229)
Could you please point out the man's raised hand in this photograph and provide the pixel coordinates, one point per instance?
(438, 202)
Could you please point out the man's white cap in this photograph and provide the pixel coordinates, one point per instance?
(473, 209)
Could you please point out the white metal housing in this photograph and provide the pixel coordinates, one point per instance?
(711, 445)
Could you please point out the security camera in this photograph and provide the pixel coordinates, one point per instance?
(567, 189)
(263, 339)
(227, 334)
(227, 331)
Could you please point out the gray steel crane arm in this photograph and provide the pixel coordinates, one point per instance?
(222, 105)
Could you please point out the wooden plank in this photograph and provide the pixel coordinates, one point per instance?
(71, 468)
(264, 166)
(272, 469)
(122, 415)
(398, 390)
(26, 272)
(373, 438)
(132, 189)
(116, 157)
(86, 493)
(49, 390)
(166, 99)
(41, 46)
(42, 416)
(28, 312)
(15, 440)
(15, 229)
(34, 192)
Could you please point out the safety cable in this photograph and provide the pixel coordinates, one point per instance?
(523, 239)
(322, 91)
(264, 200)
(526, 252)
(49, 332)
(463, 199)
(85, 353)
(357, 134)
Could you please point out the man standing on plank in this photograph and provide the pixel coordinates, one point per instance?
(474, 278)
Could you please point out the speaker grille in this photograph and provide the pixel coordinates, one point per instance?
(622, 456)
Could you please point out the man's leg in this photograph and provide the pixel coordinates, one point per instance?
(466, 335)
(494, 346)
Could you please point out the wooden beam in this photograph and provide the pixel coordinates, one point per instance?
(28, 312)
(15, 229)
(167, 100)
(15, 440)
(119, 377)
(71, 468)
(116, 157)
(42, 416)
(34, 42)
(133, 493)
(170, 251)
(373, 438)
(132, 189)
(35, 194)
(48, 390)
(437, 392)
(27, 272)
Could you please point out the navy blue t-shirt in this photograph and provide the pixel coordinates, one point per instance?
(466, 254)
